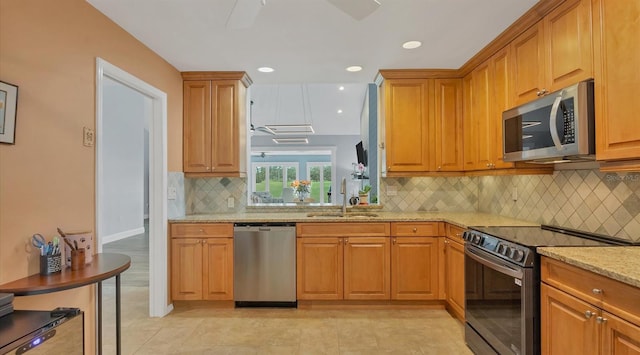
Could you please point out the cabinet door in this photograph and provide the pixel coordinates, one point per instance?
(408, 127)
(225, 127)
(319, 268)
(481, 113)
(414, 268)
(528, 64)
(366, 268)
(568, 41)
(501, 91)
(619, 336)
(186, 269)
(470, 125)
(197, 126)
(617, 78)
(454, 276)
(448, 121)
(565, 327)
(218, 269)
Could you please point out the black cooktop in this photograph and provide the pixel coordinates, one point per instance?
(550, 236)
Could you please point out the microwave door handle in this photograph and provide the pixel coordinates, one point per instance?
(552, 121)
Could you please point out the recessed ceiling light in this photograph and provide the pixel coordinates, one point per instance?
(265, 69)
(339, 111)
(354, 68)
(411, 44)
(341, 88)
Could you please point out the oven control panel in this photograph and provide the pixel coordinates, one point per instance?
(513, 252)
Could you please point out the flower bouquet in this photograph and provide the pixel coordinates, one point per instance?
(302, 188)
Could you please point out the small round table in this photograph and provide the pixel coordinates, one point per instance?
(102, 267)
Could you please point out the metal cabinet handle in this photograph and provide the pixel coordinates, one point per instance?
(600, 320)
(589, 314)
(415, 230)
(395, 240)
(346, 240)
(458, 234)
(439, 167)
(597, 291)
(208, 168)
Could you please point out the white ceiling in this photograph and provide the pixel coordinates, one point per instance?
(312, 41)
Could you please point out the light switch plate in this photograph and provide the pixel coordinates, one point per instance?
(88, 137)
(231, 202)
(172, 193)
(392, 190)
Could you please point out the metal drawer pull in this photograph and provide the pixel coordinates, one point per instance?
(415, 230)
(600, 320)
(588, 314)
(597, 291)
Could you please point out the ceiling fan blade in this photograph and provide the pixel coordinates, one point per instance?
(358, 9)
(244, 13)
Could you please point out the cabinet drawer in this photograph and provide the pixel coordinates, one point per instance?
(454, 232)
(611, 295)
(202, 230)
(342, 229)
(417, 229)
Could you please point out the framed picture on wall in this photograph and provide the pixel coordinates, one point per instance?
(8, 109)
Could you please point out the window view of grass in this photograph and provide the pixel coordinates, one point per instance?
(320, 177)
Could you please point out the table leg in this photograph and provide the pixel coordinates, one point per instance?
(118, 340)
(99, 335)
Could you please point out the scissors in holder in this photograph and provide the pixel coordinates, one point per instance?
(39, 242)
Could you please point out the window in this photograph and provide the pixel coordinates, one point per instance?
(271, 178)
(320, 176)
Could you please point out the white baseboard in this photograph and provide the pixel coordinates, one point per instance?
(122, 235)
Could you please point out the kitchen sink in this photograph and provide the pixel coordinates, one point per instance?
(339, 214)
(325, 214)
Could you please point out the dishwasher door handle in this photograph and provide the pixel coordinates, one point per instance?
(264, 229)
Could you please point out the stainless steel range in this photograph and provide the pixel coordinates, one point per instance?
(502, 282)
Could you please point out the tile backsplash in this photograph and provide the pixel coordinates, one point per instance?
(606, 203)
(431, 194)
(210, 195)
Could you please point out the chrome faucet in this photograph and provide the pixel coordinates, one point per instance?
(343, 191)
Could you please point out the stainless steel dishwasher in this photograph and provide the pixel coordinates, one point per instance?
(264, 265)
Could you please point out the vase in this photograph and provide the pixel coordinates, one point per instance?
(302, 195)
(364, 199)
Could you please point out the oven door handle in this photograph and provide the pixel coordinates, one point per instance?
(492, 262)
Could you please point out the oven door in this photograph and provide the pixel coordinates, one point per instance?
(499, 304)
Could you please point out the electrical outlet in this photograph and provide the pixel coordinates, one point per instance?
(392, 190)
(230, 202)
(172, 193)
(514, 194)
(88, 137)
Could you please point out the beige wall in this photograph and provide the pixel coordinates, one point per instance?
(49, 49)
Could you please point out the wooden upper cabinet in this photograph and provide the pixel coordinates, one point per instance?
(408, 129)
(226, 125)
(528, 64)
(555, 53)
(501, 101)
(470, 125)
(214, 123)
(448, 125)
(617, 79)
(568, 44)
(481, 113)
(197, 126)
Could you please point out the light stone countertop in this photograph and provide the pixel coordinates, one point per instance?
(460, 219)
(620, 263)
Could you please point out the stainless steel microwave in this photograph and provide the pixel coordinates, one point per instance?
(558, 127)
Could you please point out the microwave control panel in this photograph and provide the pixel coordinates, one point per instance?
(569, 119)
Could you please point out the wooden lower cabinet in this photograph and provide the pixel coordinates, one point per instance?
(414, 268)
(320, 268)
(584, 313)
(454, 276)
(337, 268)
(201, 262)
(566, 328)
(366, 268)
